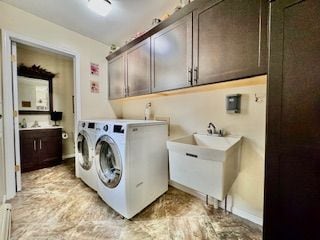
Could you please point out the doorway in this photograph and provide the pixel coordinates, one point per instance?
(12, 118)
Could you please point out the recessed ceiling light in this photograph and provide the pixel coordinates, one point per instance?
(101, 7)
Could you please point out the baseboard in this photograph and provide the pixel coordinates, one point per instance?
(248, 216)
(67, 156)
(232, 209)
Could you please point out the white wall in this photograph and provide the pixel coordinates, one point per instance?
(2, 163)
(192, 112)
(62, 85)
(92, 105)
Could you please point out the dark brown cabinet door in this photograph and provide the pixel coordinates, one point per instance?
(50, 147)
(230, 40)
(172, 56)
(139, 69)
(117, 79)
(292, 186)
(28, 151)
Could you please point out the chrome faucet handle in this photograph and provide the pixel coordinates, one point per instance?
(221, 133)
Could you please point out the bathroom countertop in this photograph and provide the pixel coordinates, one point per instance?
(40, 128)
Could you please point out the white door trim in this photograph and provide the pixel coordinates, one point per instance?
(16, 109)
(7, 37)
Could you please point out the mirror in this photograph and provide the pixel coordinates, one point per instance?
(33, 94)
(34, 90)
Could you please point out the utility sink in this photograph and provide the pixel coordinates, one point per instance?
(205, 163)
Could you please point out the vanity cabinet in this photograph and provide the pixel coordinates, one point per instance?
(230, 40)
(172, 56)
(40, 148)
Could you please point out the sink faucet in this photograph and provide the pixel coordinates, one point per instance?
(35, 124)
(213, 130)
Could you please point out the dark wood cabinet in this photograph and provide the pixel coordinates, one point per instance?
(130, 72)
(172, 56)
(40, 148)
(138, 69)
(116, 72)
(230, 40)
(292, 178)
(208, 41)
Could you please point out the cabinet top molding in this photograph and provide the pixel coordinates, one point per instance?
(174, 17)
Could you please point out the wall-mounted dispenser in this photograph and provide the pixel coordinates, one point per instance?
(233, 103)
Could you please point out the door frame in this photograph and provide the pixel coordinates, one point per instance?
(7, 37)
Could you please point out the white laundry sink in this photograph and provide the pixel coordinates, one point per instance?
(205, 163)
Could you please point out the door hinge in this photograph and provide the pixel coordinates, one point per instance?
(13, 58)
(17, 168)
(15, 114)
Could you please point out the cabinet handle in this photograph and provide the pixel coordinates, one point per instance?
(195, 76)
(34, 145)
(40, 144)
(190, 76)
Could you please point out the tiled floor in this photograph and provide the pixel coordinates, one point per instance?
(56, 205)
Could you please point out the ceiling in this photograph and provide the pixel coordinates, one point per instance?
(126, 18)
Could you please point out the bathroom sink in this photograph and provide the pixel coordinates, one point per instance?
(205, 163)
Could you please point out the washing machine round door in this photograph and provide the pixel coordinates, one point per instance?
(83, 143)
(109, 164)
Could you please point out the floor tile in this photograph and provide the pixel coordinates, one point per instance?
(54, 204)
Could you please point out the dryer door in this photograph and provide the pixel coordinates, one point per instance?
(83, 144)
(109, 165)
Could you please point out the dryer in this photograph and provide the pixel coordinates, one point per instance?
(132, 164)
(85, 164)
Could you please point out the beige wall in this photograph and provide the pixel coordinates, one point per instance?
(192, 112)
(92, 105)
(62, 86)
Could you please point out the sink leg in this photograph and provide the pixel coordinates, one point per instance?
(215, 203)
(207, 200)
(225, 204)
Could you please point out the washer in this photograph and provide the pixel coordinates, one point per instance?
(132, 164)
(85, 164)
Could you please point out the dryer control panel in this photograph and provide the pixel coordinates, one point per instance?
(118, 129)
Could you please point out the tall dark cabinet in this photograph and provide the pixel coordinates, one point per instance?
(292, 186)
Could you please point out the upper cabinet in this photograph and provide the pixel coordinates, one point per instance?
(138, 69)
(117, 77)
(230, 40)
(130, 72)
(172, 56)
(208, 41)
